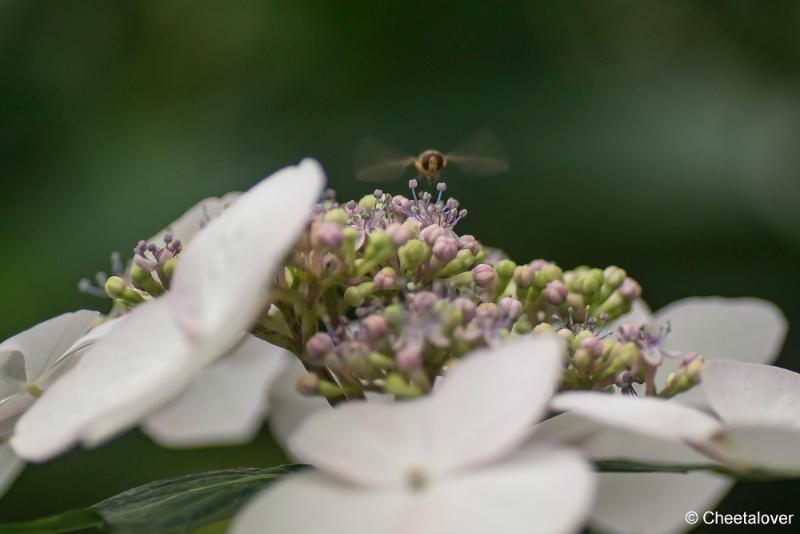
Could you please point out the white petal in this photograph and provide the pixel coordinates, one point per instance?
(549, 492)
(483, 409)
(743, 329)
(486, 406)
(46, 342)
(287, 407)
(649, 502)
(753, 394)
(642, 415)
(758, 447)
(10, 467)
(140, 365)
(311, 503)
(191, 222)
(656, 503)
(226, 404)
(12, 375)
(222, 280)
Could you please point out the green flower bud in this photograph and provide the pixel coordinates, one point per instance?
(395, 314)
(412, 254)
(336, 215)
(614, 276)
(592, 282)
(523, 325)
(368, 202)
(117, 289)
(463, 261)
(379, 246)
(308, 384)
(353, 297)
(380, 361)
(329, 390)
(505, 269)
(396, 385)
(142, 279)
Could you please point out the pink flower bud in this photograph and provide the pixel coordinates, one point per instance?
(469, 242)
(484, 275)
(375, 326)
(409, 358)
(445, 248)
(630, 289)
(318, 345)
(538, 265)
(510, 307)
(689, 357)
(329, 235)
(593, 345)
(628, 332)
(466, 307)
(555, 292)
(431, 233)
(524, 276)
(385, 278)
(398, 234)
(425, 300)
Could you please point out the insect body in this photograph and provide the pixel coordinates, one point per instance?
(481, 155)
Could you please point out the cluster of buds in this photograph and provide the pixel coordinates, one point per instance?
(382, 295)
(148, 274)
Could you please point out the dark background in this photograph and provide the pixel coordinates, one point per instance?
(661, 136)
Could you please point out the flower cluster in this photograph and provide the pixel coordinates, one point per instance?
(383, 294)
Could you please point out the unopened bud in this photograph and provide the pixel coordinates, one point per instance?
(510, 307)
(505, 269)
(375, 326)
(524, 276)
(630, 289)
(445, 248)
(329, 235)
(484, 275)
(335, 215)
(398, 233)
(555, 292)
(614, 276)
(308, 384)
(368, 202)
(592, 282)
(318, 345)
(470, 243)
(466, 307)
(431, 233)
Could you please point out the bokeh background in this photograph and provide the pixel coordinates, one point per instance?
(661, 136)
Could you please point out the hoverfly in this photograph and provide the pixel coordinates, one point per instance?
(481, 155)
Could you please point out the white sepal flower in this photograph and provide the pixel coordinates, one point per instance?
(226, 404)
(760, 405)
(745, 329)
(441, 464)
(32, 359)
(220, 285)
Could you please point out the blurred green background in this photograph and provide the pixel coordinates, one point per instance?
(661, 136)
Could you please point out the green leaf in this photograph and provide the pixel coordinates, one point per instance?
(185, 502)
(72, 521)
(176, 504)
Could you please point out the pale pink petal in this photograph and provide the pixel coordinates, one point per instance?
(642, 415)
(139, 366)
(656, 503)
(288, 408)
(547, 492)
(223, 279)
(759, 447)
(487, 405)
(313, 503)
(649, 502)
(225, 405)
(753, 394)
(198, 216)
(42, 345)
(10, 467)
(483, 409)
(743, 329)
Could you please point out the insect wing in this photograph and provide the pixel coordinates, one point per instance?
(376, 161)
(481, 155)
